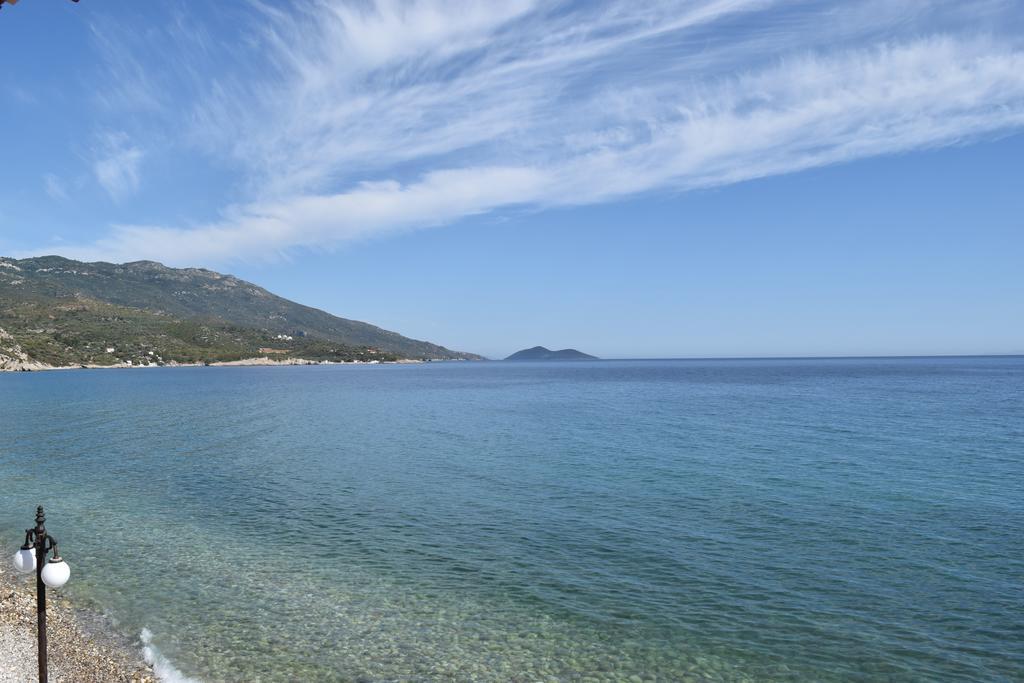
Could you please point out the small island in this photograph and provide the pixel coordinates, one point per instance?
(542, 353)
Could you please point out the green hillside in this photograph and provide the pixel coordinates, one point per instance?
(64, 312)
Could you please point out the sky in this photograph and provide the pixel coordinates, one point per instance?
(669, 178)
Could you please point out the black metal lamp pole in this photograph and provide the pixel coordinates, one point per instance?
(43, 543)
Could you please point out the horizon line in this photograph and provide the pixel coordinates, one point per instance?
(852, 357)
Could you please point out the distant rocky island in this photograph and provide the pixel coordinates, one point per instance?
(542, 353)
(55, 312)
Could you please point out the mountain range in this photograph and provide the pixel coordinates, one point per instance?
(59, 312)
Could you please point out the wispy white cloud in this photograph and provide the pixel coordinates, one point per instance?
(130, 84)
(468, 107)
(357, 91)
(55, 187)
(22, 96)
(117, 164)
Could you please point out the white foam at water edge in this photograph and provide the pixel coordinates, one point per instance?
(162, 667)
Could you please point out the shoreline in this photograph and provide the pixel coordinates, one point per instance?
(81, 648)
(263, 361)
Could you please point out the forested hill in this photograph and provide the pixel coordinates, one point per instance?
(64, 312)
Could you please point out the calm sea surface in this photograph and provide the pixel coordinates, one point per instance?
(812, 520)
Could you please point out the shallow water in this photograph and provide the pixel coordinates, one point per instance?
(668, 520)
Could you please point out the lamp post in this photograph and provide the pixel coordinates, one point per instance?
(53, 573)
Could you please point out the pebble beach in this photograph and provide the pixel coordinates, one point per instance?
(76, 653)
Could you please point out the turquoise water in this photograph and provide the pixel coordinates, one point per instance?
(662, 520)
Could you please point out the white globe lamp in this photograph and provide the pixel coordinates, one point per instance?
(25, 560)
(56, 572)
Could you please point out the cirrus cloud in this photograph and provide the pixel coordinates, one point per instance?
(362, 120)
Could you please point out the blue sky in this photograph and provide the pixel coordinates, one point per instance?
(666, 178)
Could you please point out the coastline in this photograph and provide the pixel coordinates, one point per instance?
(78, 651)
(263, 361)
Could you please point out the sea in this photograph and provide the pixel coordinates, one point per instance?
(639, 520)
